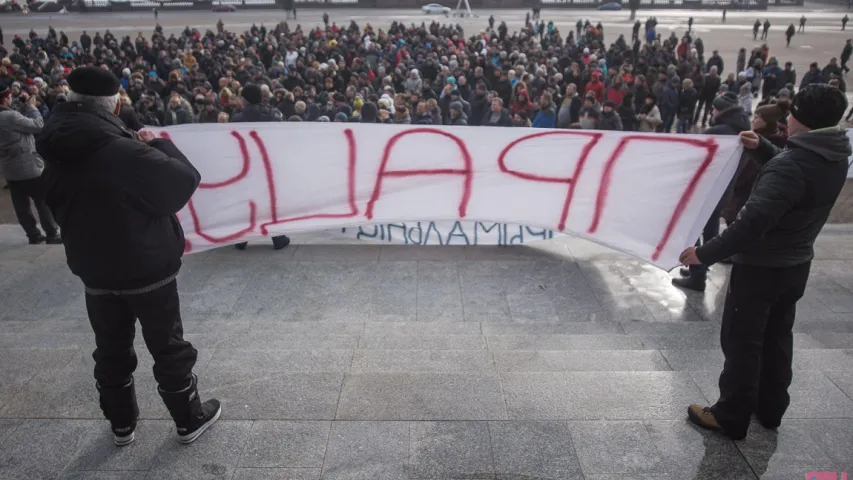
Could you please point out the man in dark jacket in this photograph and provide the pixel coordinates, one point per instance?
(115, 195)
(788, 75)
(729, 119)
(479, 101)
(772, 245)
(716, 61)
(457, 114)
(710, 88)
(497, 116)
(255, 111)
(814, 75)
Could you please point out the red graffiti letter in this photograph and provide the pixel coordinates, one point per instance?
(570, 181)
(244, 171)
(710, 146)
(383, 172)
(351, 162)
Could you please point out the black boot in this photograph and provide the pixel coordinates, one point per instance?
(280, 242)
(120, 408)
(192, 417)
(691, 283)
(37, 239)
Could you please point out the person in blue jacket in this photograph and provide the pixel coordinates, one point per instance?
(669, 103)
(546, 115)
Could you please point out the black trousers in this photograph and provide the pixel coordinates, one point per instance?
(758, 344)
(24, 190)
(113, 318)
(706, 105)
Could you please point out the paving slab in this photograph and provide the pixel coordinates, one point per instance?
(534, 450)
(422, 396)
(367, 451)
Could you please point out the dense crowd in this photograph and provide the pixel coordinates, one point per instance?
(428, 74)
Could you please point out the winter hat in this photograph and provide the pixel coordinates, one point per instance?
(819, 106)
(341, 117)
(674, 80)
(5, 92)
(725, 101)
(456, 106)
(784, 93)
(773, 112)
(94, 82)
(323, 119)
(252, 94)
(609, 103)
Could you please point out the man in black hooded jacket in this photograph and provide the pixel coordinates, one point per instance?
(772, 245)
(115, 195)
(255, 111)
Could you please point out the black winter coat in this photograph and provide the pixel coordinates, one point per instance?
(789, 204)
(258, 113)
(687, 99)
(730, 122)
(115, 198)
(710, 88)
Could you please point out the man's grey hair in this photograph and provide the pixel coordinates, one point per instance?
(104, 104)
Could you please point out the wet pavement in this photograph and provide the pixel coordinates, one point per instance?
(557, 360)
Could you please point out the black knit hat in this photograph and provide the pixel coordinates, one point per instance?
(93, 81)
(819, 106)
(252, 94)
(725, 101)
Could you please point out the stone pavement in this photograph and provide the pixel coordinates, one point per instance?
(561, 360)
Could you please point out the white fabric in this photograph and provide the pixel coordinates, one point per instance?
(644, 194)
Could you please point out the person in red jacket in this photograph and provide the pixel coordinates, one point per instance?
(683, 48)
(522, 103)
(596, 87)
(616, 91)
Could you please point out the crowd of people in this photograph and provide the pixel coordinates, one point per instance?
(428, 74)
(431, 74)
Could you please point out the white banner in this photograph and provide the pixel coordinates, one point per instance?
(647, 195)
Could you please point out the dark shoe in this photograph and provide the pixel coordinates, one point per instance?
(37, 240)
(280, 242)
(54, 240)
(241, 246)
(192, 417)
(689, 283)
(120, 408)
(769, 425)
(684, 272)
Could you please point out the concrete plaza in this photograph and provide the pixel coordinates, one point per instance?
(558, 360)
